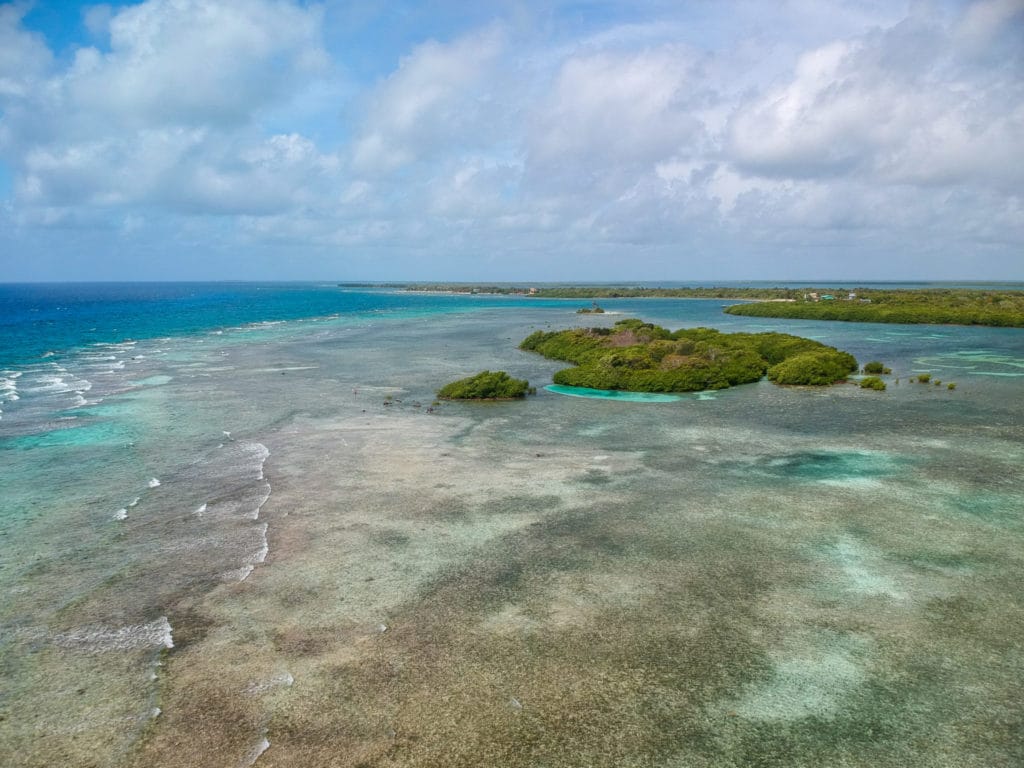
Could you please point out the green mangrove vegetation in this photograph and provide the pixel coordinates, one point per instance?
(641, 357)
(872, 382)
(486, 385)
(945, 306)
(875, 367)
(937, 306)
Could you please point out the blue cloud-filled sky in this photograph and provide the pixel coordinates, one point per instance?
(635, 140)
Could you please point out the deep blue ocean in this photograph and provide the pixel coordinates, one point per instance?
(53, 318)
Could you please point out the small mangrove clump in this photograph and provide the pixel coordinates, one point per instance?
(594, 309)
(486, 385)
(951, 385)
(872, 382)
(874, 367)
(924, 378)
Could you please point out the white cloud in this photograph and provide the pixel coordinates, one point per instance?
(683, 131)
(167, 115)
(196, 62)
(611, 108)
(897, 106)
(438, 97)
(24, 56)
(987, 20)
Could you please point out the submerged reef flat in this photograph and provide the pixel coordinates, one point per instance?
(770, 576)
(641, 357)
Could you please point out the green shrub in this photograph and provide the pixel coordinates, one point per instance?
(951, 385)
(937, 382)
(818, 368)
(924, 378)
(486, 385)
(874, 367)
(872, 382)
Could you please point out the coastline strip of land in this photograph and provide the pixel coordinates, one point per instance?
(938, 306)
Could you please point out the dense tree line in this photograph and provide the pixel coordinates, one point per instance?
(945, 307)
(950, 306)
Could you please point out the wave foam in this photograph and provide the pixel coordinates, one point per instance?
(264, 497)
(154, 635)
(262, 686)
(256, 558)
(153, 482)
(254, 754)
(261, 554)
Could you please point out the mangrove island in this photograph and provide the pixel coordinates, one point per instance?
(642, 357)
(486, 385)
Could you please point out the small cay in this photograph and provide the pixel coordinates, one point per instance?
(642, 357)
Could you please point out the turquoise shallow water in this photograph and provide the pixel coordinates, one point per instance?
(220, 539)
(610, 394)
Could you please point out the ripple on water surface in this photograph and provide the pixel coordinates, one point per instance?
(85, 436)
(975, 362)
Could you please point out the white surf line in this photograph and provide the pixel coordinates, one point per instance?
(95, 639)
(262, 477)
(259, 507)
(286, 368)
(254, 753)
(266, 455)
(249, 564)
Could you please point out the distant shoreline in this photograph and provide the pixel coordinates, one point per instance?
(731, 293)
(935, 306)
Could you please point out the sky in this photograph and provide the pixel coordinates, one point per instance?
(512, 140)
